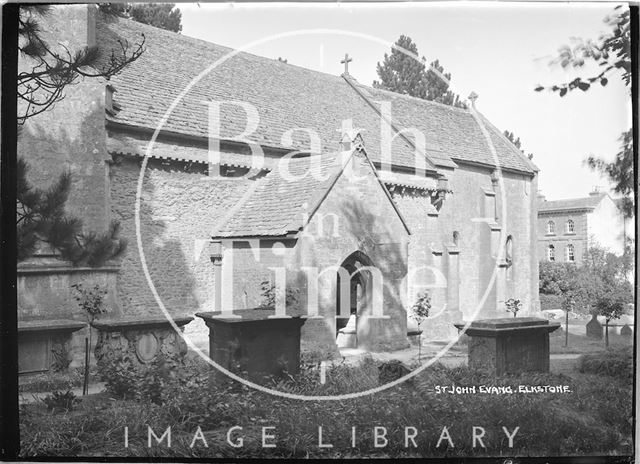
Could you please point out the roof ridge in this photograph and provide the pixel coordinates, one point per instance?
(411, 97)
(370, 104)
(576, 198)
(175, 35)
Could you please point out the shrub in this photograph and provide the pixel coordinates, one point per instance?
(595, 418)
(617, 362)
(59, 401)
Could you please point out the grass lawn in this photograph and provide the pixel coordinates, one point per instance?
(593, 418)
(581, 344)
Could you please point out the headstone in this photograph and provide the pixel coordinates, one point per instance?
(509, 345)
(626, 331)
(594, 328)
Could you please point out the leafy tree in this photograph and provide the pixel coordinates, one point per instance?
(555, 278)
(611, 303)
(419, 313)
(619, 171)
(513, 306)
(611, 53)
(406, 74)
(42, 85)
(40, 214)
(603, 281)
(162, 15)
(91, 301)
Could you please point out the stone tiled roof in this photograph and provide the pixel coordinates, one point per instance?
(285, 96)
(277, 206)
(586, 203)
(454, 130)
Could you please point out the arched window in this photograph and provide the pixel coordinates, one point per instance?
(508, 250)
(551, 227)
(571, 257)
(551, 253)
(456, 237)
(570, 226)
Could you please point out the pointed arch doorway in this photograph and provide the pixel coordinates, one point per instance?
(353, 297)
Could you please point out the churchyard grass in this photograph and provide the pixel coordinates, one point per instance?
(580, 344)
(50, 381)
(595, 418)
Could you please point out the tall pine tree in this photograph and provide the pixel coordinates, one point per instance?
(162, 15)
(404, 73)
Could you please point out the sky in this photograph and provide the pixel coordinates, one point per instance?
(500, 51)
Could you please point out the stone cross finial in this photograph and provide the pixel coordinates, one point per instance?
(346, 62)
(350, 136)
(473, 97)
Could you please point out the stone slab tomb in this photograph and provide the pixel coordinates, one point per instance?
(254, 344)
(509, 345)
(142, 341)
(44, 345)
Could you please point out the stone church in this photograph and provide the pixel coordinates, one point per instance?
(407, 195)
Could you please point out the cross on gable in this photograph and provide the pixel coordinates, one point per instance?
(346, 62)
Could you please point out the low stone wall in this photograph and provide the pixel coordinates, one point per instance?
(44, 294)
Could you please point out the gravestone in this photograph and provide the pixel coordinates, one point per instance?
(254, 345)
(141, 340)
(594, 328)
(626, 331)
(509, 345)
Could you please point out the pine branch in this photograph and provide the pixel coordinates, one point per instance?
(43, 86)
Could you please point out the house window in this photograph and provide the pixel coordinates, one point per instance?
(571, 257)
(551, 227)
(570, 226)
(551, 253)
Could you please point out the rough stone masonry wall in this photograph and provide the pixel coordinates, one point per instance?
(68, 136)
(71, 134)
(177, 216)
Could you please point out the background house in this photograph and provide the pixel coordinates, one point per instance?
(566, 228)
